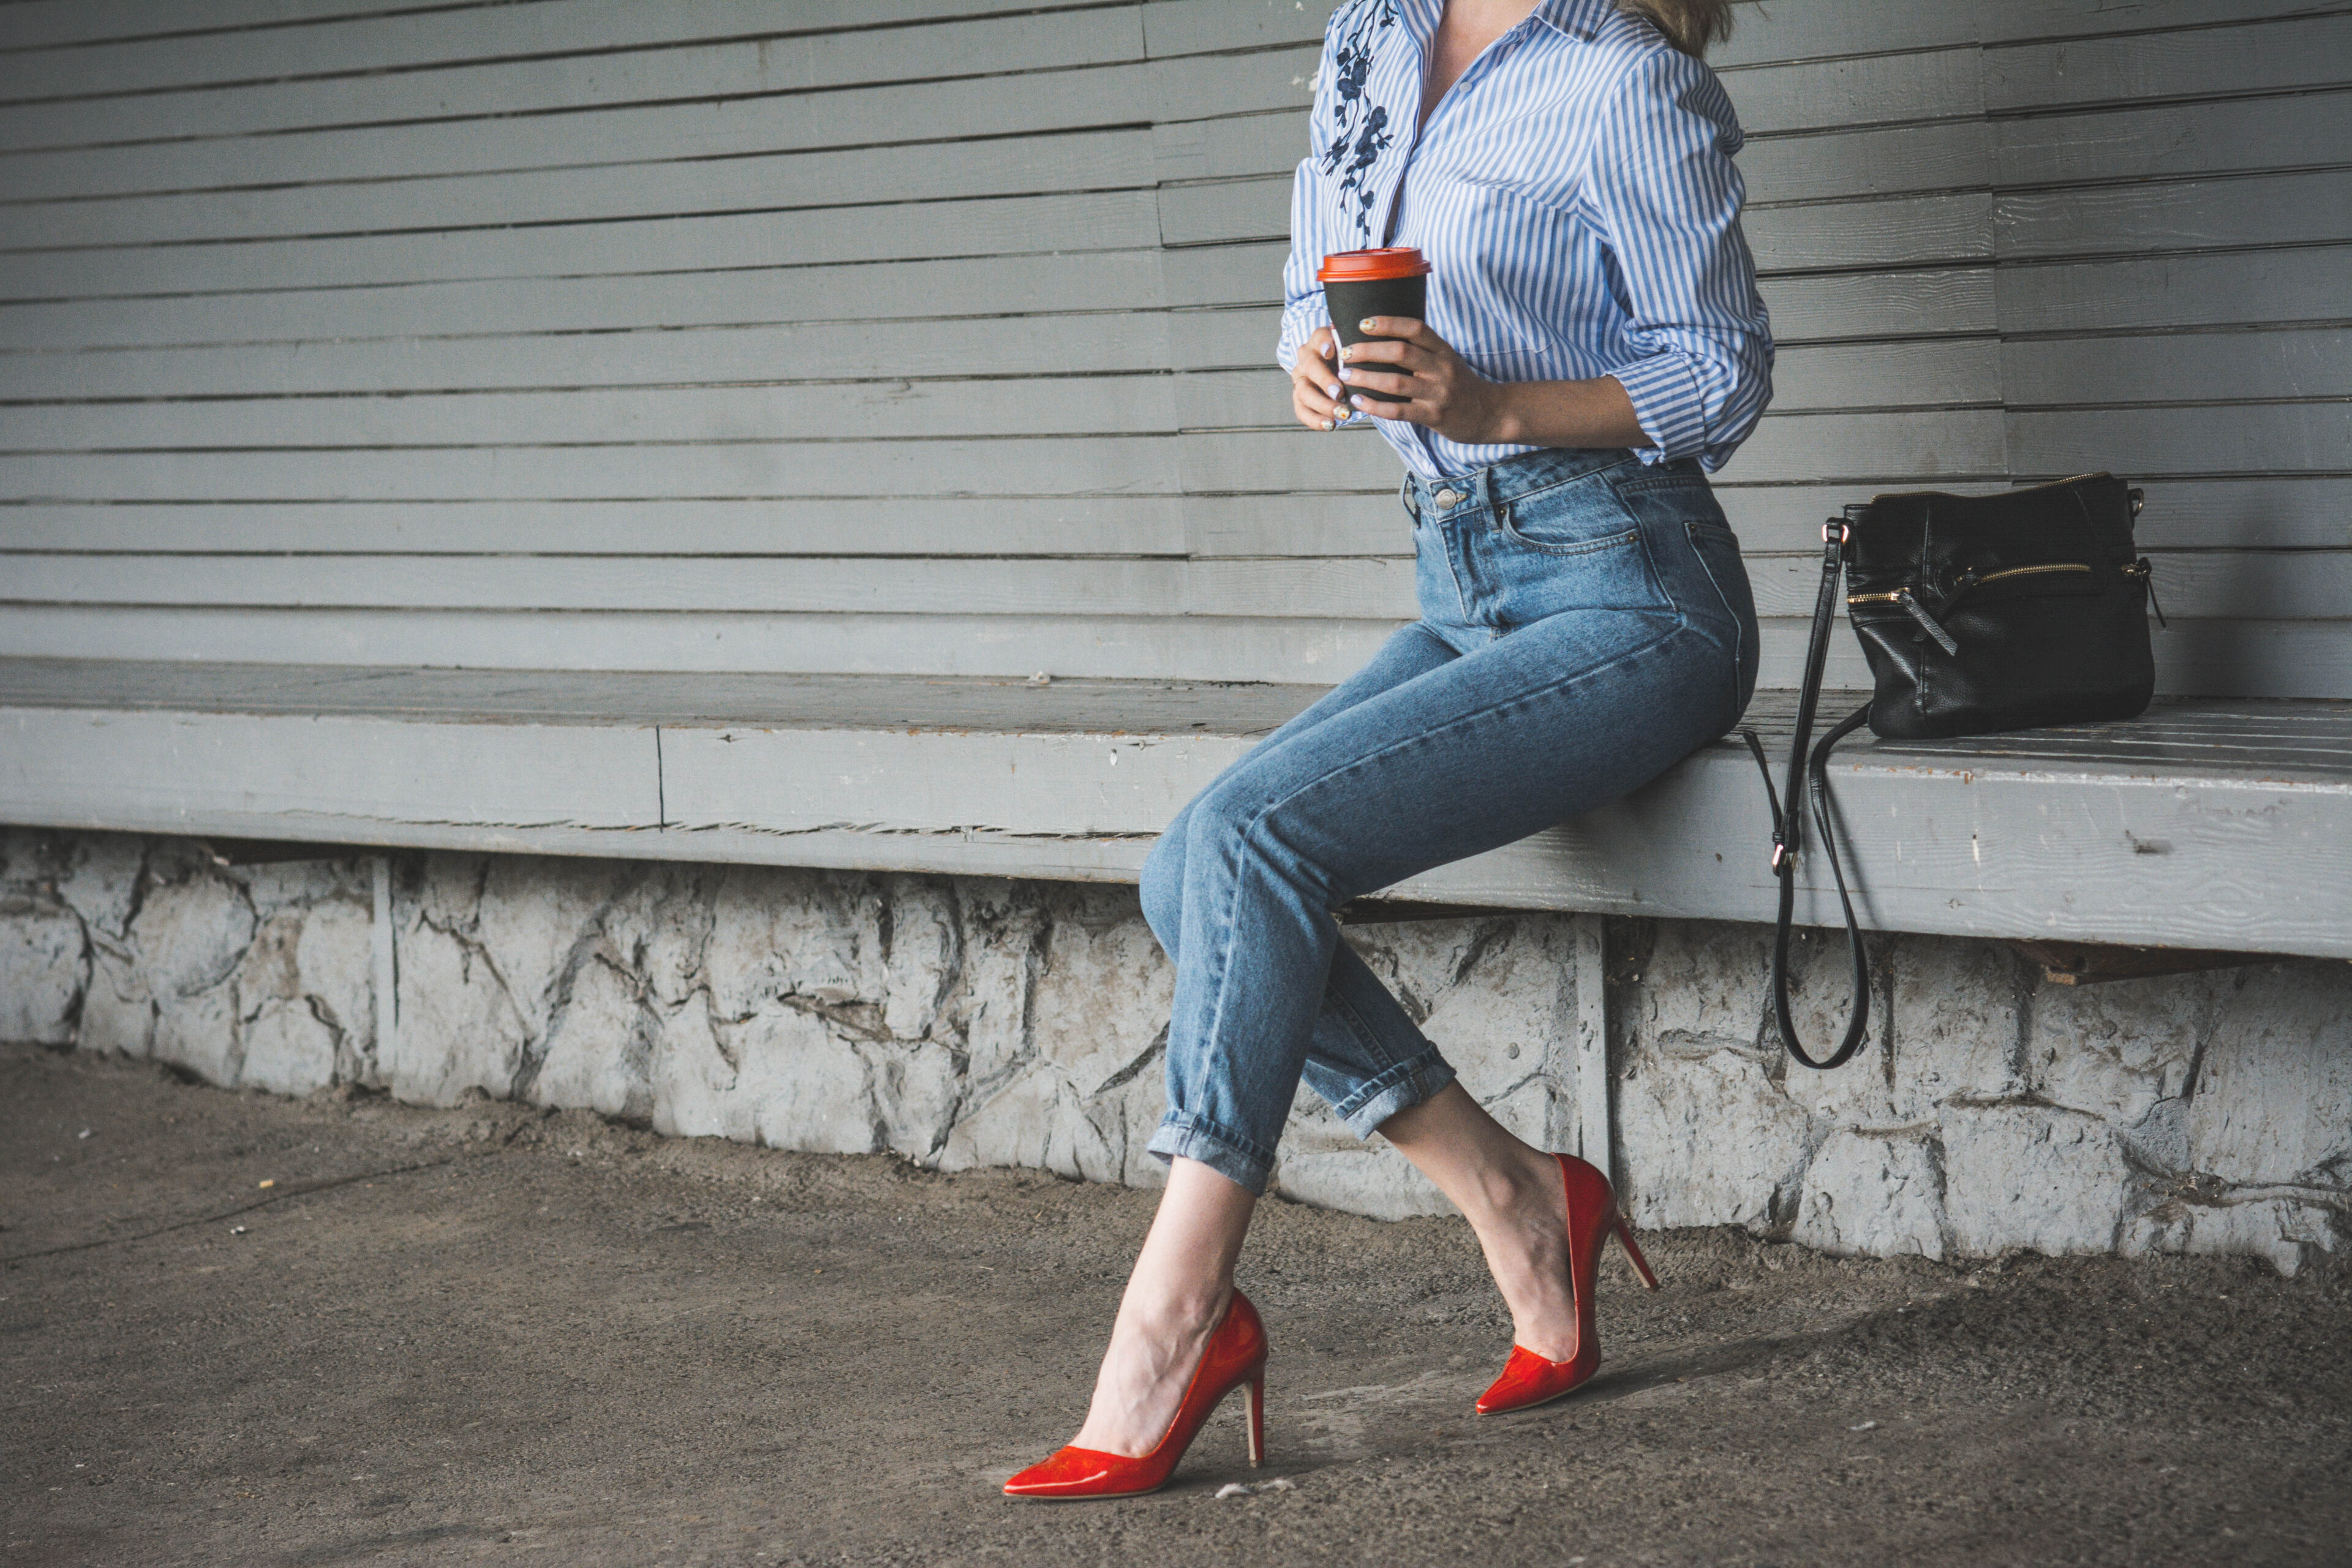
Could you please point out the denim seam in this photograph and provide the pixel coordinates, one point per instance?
(1739, 630)
(1362, 1028)
(1674, 479)
(1224, 943)
(1219, 957)
(1407, 1071)
(1443, 539)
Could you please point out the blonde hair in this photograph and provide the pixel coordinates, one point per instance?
(1689, 24)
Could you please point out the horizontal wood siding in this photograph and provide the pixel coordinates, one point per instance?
(932, 336)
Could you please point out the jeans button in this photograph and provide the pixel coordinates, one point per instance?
(1447, 498)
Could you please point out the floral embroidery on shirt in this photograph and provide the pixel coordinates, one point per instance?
(1359, 131)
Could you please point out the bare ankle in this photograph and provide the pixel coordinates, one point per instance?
(1187, 1311)
(1514, 1185)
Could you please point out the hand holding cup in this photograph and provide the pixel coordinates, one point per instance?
(1317, 396)
(1418, 378)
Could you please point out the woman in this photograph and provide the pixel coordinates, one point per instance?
(1594, 341)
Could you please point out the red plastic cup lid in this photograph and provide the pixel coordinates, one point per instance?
(1372, 265)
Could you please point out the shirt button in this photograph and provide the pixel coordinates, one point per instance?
(1448, 499)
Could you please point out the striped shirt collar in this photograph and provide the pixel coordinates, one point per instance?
(1577, 18)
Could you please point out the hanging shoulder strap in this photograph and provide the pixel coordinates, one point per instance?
(1810, 775)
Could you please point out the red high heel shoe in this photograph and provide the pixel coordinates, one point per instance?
(1235, 1357)
(1530, 1379)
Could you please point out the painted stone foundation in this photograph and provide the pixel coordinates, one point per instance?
(966, 1021)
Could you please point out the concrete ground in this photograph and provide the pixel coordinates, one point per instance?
(246, 1331)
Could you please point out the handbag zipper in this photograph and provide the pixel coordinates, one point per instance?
(2032, 571)
(1897, 596)
(1968, 581)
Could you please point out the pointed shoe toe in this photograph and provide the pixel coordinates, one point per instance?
(1529, 1379)
(1076, 1472)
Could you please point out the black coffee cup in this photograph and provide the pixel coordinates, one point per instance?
(1357, 284)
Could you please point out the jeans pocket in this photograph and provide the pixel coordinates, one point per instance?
(1582, 516)
(1574, 546)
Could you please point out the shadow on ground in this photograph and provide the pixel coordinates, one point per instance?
(489, 1335)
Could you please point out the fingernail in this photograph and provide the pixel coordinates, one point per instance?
(1332, 390)
(1359, 402)
(1366, 324)
(1345, 374)
(1329, 425)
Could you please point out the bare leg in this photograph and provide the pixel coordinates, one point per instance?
(1511, 1194)
(1182, 1279)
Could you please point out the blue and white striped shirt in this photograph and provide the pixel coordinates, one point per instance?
(1575, 194)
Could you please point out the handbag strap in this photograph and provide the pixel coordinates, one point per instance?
(1808, 779)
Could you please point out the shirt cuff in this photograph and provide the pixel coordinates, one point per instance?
(1667, 404)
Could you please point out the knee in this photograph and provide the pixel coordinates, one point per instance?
(1237, 823)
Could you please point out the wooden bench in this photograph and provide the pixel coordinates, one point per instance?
(2207, 824)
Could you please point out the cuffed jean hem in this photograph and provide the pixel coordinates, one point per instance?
(1230, 1155)
(1401, 1087)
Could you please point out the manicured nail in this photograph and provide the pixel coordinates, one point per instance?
(1345, 374)
(1330, 425)
(1359, 402)
(1332, 390)
(1366, 324)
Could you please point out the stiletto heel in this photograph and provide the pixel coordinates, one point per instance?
(1234, 1358)
(1530, 1379)
(1257, 1420)
(1640, 1264)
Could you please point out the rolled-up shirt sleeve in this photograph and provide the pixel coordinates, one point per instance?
(1666, 195)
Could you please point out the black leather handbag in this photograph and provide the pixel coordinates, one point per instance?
(1978, 614)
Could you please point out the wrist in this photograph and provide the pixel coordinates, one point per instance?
(1506, 423)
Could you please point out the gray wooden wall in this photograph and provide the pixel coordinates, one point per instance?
(916, 336)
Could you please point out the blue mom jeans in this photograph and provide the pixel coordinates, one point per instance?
(1586, 623)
